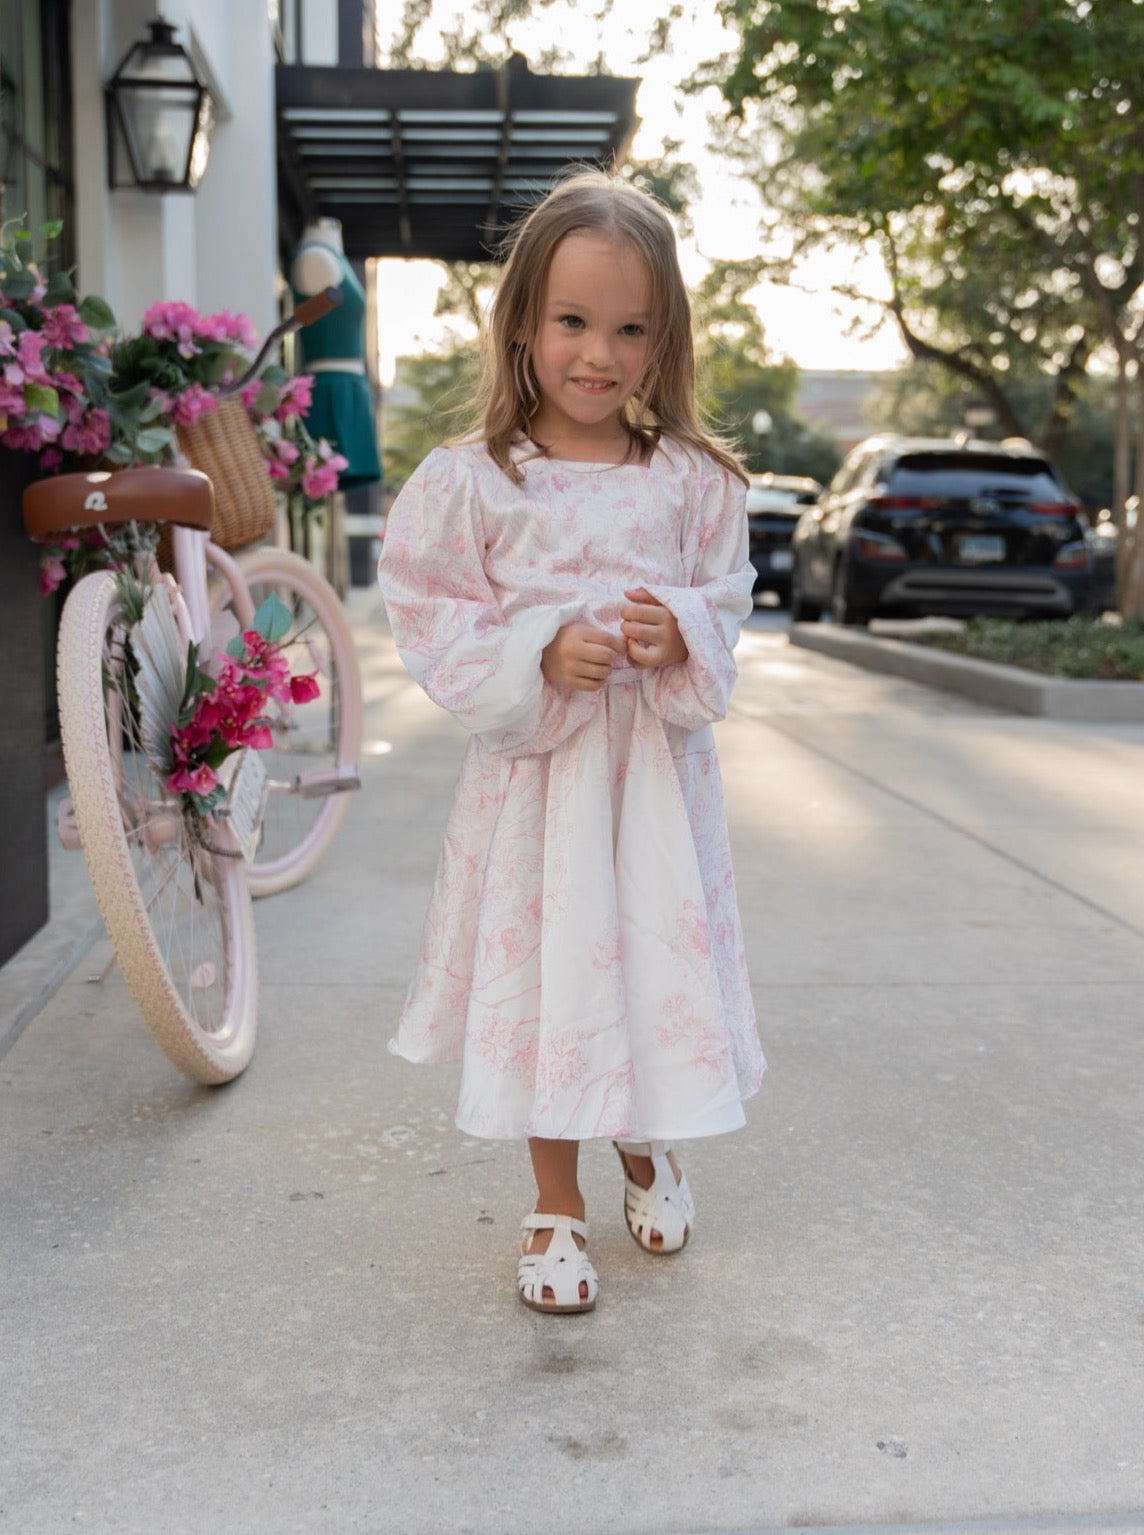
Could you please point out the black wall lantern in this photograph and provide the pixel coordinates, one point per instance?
(159, 115)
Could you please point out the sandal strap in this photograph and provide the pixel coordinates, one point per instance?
(644, 1148)
(537, 1221)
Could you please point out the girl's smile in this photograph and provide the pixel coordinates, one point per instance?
(590, 348)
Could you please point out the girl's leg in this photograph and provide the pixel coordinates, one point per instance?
(555, 1165)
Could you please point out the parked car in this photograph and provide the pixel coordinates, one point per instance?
(911, 526)
(774, 502)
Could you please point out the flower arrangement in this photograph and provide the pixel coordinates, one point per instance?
(227, 709)
(55, 367)
(303, 469)
(72, 388)
(168, 376)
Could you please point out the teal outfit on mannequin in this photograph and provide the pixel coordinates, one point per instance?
(333, 350)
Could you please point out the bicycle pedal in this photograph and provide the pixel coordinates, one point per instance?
(66, 829)
(324, 781)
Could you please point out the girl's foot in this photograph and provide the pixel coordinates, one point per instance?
(658, 1206)
(554, 1272)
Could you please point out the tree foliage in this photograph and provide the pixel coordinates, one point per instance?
(995, 151)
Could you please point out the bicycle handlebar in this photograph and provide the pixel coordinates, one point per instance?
(307, 312)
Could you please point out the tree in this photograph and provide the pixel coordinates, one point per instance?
(1002, 139)
(737, 379)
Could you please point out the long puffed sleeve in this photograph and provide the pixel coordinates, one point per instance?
(710, 612)
(449, 628)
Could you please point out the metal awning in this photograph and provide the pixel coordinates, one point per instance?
(434, 163)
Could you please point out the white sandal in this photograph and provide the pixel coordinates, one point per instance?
(667, 1207)
(561, 1269)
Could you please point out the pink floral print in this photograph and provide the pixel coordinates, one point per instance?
(582, 955)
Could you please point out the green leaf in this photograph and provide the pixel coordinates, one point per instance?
(153, 439)
(52, 229)
(152, 409)
(97, 313)
(42, 398)
(20, 285)
(16, 321)
(60, 290)
(274, 376)
(266, 400)
(273, 619)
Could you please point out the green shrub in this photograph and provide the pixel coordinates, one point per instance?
(1072, 647)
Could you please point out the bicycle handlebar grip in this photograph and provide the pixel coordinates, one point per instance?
(312, 309)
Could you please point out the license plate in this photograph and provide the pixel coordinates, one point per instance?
(981, 548)
(782, 559)
(245, 798)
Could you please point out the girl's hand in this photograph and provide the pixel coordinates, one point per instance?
(651, 631)
(580, 657)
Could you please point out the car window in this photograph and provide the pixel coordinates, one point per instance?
(847, 475)
(964, 475)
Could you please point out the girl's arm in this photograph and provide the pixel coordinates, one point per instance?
(695, 690)
(449, 628)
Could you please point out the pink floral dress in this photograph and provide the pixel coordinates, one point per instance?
(582, 954)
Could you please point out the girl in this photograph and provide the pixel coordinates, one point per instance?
(568, 583)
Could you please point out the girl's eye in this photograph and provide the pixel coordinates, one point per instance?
(635, 329)
(572, 321)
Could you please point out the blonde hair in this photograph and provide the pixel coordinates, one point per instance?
(664, 402)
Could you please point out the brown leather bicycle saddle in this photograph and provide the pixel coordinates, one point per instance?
(151, 493)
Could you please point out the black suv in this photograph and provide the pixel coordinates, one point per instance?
(774, 502)
(918, 525)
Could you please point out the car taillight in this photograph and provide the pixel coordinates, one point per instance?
(1072, 556)
(1054, 508)
(876, 546)
(903, 503)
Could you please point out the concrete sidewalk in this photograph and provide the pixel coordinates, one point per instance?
(914, 1297)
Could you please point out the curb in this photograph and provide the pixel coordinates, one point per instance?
(1003, 687)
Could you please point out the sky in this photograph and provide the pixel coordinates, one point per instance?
(804, 321)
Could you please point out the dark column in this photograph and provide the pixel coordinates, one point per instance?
(23, 829)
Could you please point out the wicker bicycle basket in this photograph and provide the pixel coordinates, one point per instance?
(223, 446)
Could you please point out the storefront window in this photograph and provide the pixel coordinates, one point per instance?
(35, 117)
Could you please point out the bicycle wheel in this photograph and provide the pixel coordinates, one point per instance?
(316, 745)
(179, 917)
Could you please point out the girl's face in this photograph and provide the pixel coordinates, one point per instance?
(591, 345)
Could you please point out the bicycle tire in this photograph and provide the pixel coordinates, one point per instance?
(322, 736)
(179, 917)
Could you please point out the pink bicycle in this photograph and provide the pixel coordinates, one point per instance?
(175, 891)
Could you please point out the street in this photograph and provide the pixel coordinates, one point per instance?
(914, 1290)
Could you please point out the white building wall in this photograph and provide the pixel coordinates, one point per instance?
(215, 248)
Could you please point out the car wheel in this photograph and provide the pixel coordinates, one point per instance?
(802, 610)
(843, 608)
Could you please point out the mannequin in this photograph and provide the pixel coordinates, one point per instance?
(316, 264)
(333, 350)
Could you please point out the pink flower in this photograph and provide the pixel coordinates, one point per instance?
(90, 436)
(226, 326)
(67, 383)
(51, 458)
(11, 399)
(31, 438)
(297, 396)
(63, 328)
(321, 480)
(304, 687)
(286, 452)
(199, 780)
(276, 470)
(174, 322)
(193, 403)
(259, 737)
(53, 572)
